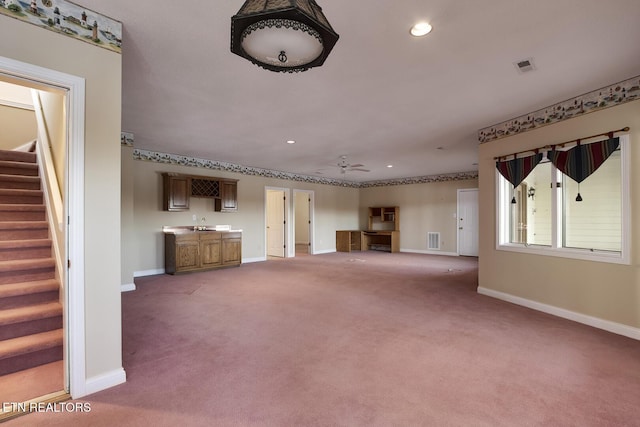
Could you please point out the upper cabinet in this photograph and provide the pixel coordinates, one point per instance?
(384, 218)
(228, 200)
(178, 190)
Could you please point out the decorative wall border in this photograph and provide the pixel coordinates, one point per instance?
(153, 156)
(608, 96)
(69, 19)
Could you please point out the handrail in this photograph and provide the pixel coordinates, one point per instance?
(51, 187)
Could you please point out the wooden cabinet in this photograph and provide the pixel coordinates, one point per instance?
(384, 218)
(176, 192)
(179, 189)
(201, 250)
(187, 253)
(210, 249)
(350, 240)
(232, 249)
(228, 200)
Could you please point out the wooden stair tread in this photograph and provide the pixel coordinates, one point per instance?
(21, 178)
(30, 343)
(19, 192)
(11, 316)
(28, 288)
(18, 156)
(26, 207)
(26, 264)
(21, 166)
(23, 225)
(24, 244)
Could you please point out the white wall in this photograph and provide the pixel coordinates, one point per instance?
(18, 127)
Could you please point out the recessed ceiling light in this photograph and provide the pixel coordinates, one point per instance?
(291, 141)
(421, 29)
(389, 166)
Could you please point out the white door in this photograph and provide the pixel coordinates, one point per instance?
(468, 222)
(275, 223)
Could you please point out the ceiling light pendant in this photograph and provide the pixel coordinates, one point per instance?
(282, 35)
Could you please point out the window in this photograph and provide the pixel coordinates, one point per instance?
(547, 219)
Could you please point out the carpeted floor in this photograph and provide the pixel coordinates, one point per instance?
(360, 339)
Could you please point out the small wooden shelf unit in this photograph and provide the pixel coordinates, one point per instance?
(382, 233)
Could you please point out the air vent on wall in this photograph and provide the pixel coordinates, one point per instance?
(525, 65)
(433, 240)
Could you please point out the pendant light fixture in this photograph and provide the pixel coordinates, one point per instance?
(282, 35)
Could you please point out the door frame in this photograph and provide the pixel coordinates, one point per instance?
(74, 289)
(287, 225)
(464, 190)
(312, 232)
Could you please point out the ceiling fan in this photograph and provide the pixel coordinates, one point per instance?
(345, 166)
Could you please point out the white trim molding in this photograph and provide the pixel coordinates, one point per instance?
(104, 381)
(145, 273)
(606, 325)
(428, 252)
(251, 260)
(128, 287)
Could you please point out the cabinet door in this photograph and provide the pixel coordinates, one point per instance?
(210, 250)
(187, 255)
(177, 191)
(228, 201)
(232, 251)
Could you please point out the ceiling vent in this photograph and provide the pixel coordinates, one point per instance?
(524, 65)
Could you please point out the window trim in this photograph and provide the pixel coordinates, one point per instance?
(556, 249)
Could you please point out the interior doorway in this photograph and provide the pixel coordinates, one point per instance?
(72, 191)
(303, 221)
(468, 222)
(276, 222)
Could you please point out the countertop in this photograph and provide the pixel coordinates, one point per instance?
(179, 229)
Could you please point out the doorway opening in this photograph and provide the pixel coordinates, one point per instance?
(303, 221)
(71, 246)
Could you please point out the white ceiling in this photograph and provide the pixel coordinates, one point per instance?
(382, 97)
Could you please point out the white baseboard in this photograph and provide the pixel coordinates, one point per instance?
(413, 251)
(127, 287)
(250, 260)
(103, 382)
(326, 251)
(148, 272)
(607, 325)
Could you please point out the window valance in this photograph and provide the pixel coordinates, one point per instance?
(517, 169)
(583, 159)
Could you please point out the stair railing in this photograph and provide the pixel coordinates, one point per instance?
(50, 184)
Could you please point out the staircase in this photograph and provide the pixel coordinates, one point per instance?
(30, 309)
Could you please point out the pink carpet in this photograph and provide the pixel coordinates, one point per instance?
(360, 339)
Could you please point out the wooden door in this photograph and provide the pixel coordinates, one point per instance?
(210, 250)
(187, 254)
(232, 250)
(177, 192)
